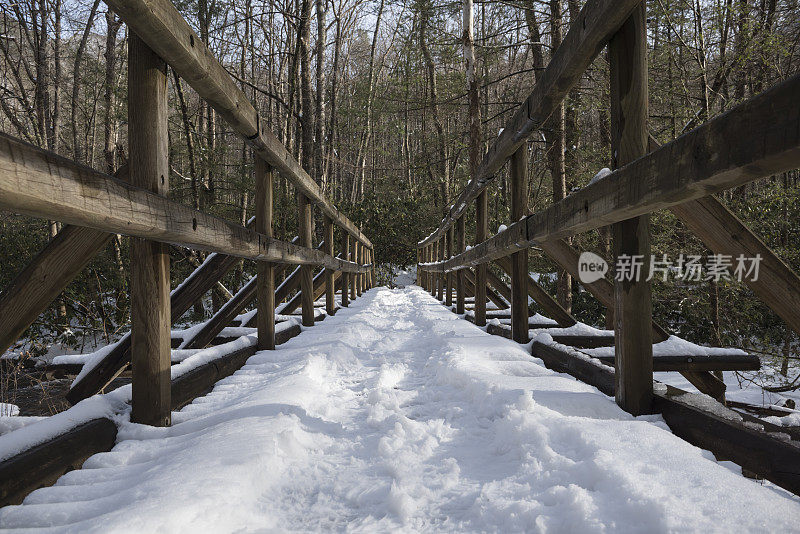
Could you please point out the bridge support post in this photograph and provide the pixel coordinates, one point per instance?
(481, 231)
(345, 284)
(306, 271)
(632, 299)
(440, 276)
(330, 294)
(428, 274)
(265, 273)
(354, 276)
(449, 276)
(460, 246)
(150, 302)
(372, 269)
(359, 261)
(519, 260)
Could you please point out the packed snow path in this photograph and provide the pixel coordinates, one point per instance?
(396, 414)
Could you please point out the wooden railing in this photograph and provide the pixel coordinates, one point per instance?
(42, 184)
(756, 139)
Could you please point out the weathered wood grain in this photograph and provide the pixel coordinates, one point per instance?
(265, 274)
(627, 54)
(149, 279)
(519, 260)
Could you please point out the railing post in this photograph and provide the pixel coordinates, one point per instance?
(360, 286)
(150, 303)
(330, 295)
(627, 52)
(345, 275)
(461, 245)
(306, 271)
(428, 275)
(355, 275)
(449, 275)
(372, 269)
(265, 273)
(481, 231)
(440, 276)
(519, 260)
(419, 271)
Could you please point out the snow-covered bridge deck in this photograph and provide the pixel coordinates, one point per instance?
(396, 413)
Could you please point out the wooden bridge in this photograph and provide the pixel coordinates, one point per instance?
(759, 138)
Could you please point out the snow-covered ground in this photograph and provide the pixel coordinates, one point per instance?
(397, 415)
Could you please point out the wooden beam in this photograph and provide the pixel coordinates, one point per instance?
(717, 362)
(549, 305)
(305, 231)
(755, 139)
(43, 464)
(160, 25)
(627, 53)
(330, 294)
(42, 184)
(265, 274)
(150, 313)
(594, 26)
(519, 260)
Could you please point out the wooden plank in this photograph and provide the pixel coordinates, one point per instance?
(594, 26)
(627, 53)
(551, 307)
(160, 25)
(584, 342)
(149, 283)
(481, 231)
(519, 260)
(330, 300)
(599, 376)
(718, 362)
(42, 184)
(305, 230)
(43, 464)
(755, 139)
(265, 274)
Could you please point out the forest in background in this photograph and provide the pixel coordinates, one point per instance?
(375, 98)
